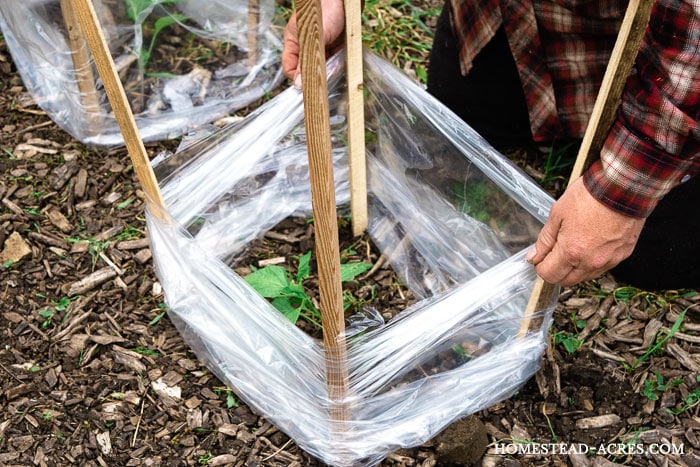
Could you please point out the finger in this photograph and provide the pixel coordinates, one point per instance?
(545, 241)
(555, 267)
(290, 52)
(579, 275)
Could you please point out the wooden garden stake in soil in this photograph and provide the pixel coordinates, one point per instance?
(356, 116)
(253, 20)
(81, 63)
(90, 25)
(629, 38)
(318, 135)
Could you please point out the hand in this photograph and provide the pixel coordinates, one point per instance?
(333, 20)
(582, 238)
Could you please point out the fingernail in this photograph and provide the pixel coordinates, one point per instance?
(531, 255)
(297, 81)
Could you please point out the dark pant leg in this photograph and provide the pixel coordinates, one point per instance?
(667, 255)
(490, 98)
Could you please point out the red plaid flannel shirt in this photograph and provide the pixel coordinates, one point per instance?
(561, 49)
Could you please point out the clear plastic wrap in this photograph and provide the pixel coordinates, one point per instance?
(453, 217)
(180, 67)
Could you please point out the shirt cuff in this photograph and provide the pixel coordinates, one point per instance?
(632, 175)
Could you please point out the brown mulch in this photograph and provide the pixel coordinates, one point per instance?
(92, 373)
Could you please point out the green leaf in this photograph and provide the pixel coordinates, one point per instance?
(159, 25)
(304, 269)
(285, 307)
(294, 290)
(135, 7)
(231, 402)
(648, 390)
(165, 21)
(155, 320)
(348, 271)
(124, 204)
(46, 313)
(63, 304)
(269, 281)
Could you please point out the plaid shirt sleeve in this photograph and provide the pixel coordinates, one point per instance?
(654, 143)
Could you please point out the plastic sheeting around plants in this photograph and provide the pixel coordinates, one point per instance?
(183, 64)
(453, 217)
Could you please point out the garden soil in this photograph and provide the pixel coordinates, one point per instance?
(93, 373)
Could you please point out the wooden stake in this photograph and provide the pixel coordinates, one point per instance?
(83, 68)
(624, 53)
(318, 134)
(85, 13)
(253, 21)
(356, 116)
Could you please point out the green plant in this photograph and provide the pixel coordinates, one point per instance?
(204, 459)
(231, 402)
(164, 309)
(10, 154)
(660, 340)
(146, 351)
(138, 11)
(557, 163)
(287, 292)
(125, 204)
(472, 197)
(652, 385)
(569, 341)
(97, 246)
(689, 401)
(62, 305)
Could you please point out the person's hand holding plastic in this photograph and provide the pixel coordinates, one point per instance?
(333, 20)
(582, 238)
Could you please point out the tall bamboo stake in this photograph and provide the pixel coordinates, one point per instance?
(356, 116)
(629, 38)
(90, 25)
(318, 135)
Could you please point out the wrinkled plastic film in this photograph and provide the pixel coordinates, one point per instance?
(228, 19)
(453, 218)
(164, 106)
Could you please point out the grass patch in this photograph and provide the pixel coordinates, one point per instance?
(401, 32)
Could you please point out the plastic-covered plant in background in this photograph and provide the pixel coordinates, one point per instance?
(139, 10)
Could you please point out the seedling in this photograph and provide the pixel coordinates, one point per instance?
(204, 459)
(287, 292)
(146, 351)
(137, 11)
(660, 340)
(569, 341)
(653, 385)
(231, 402)
(95, 246)
(164, 308)
(10, 154)
(63, 305)
(557, 164)
(471, 199)
(125, 204)
(689, 401)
